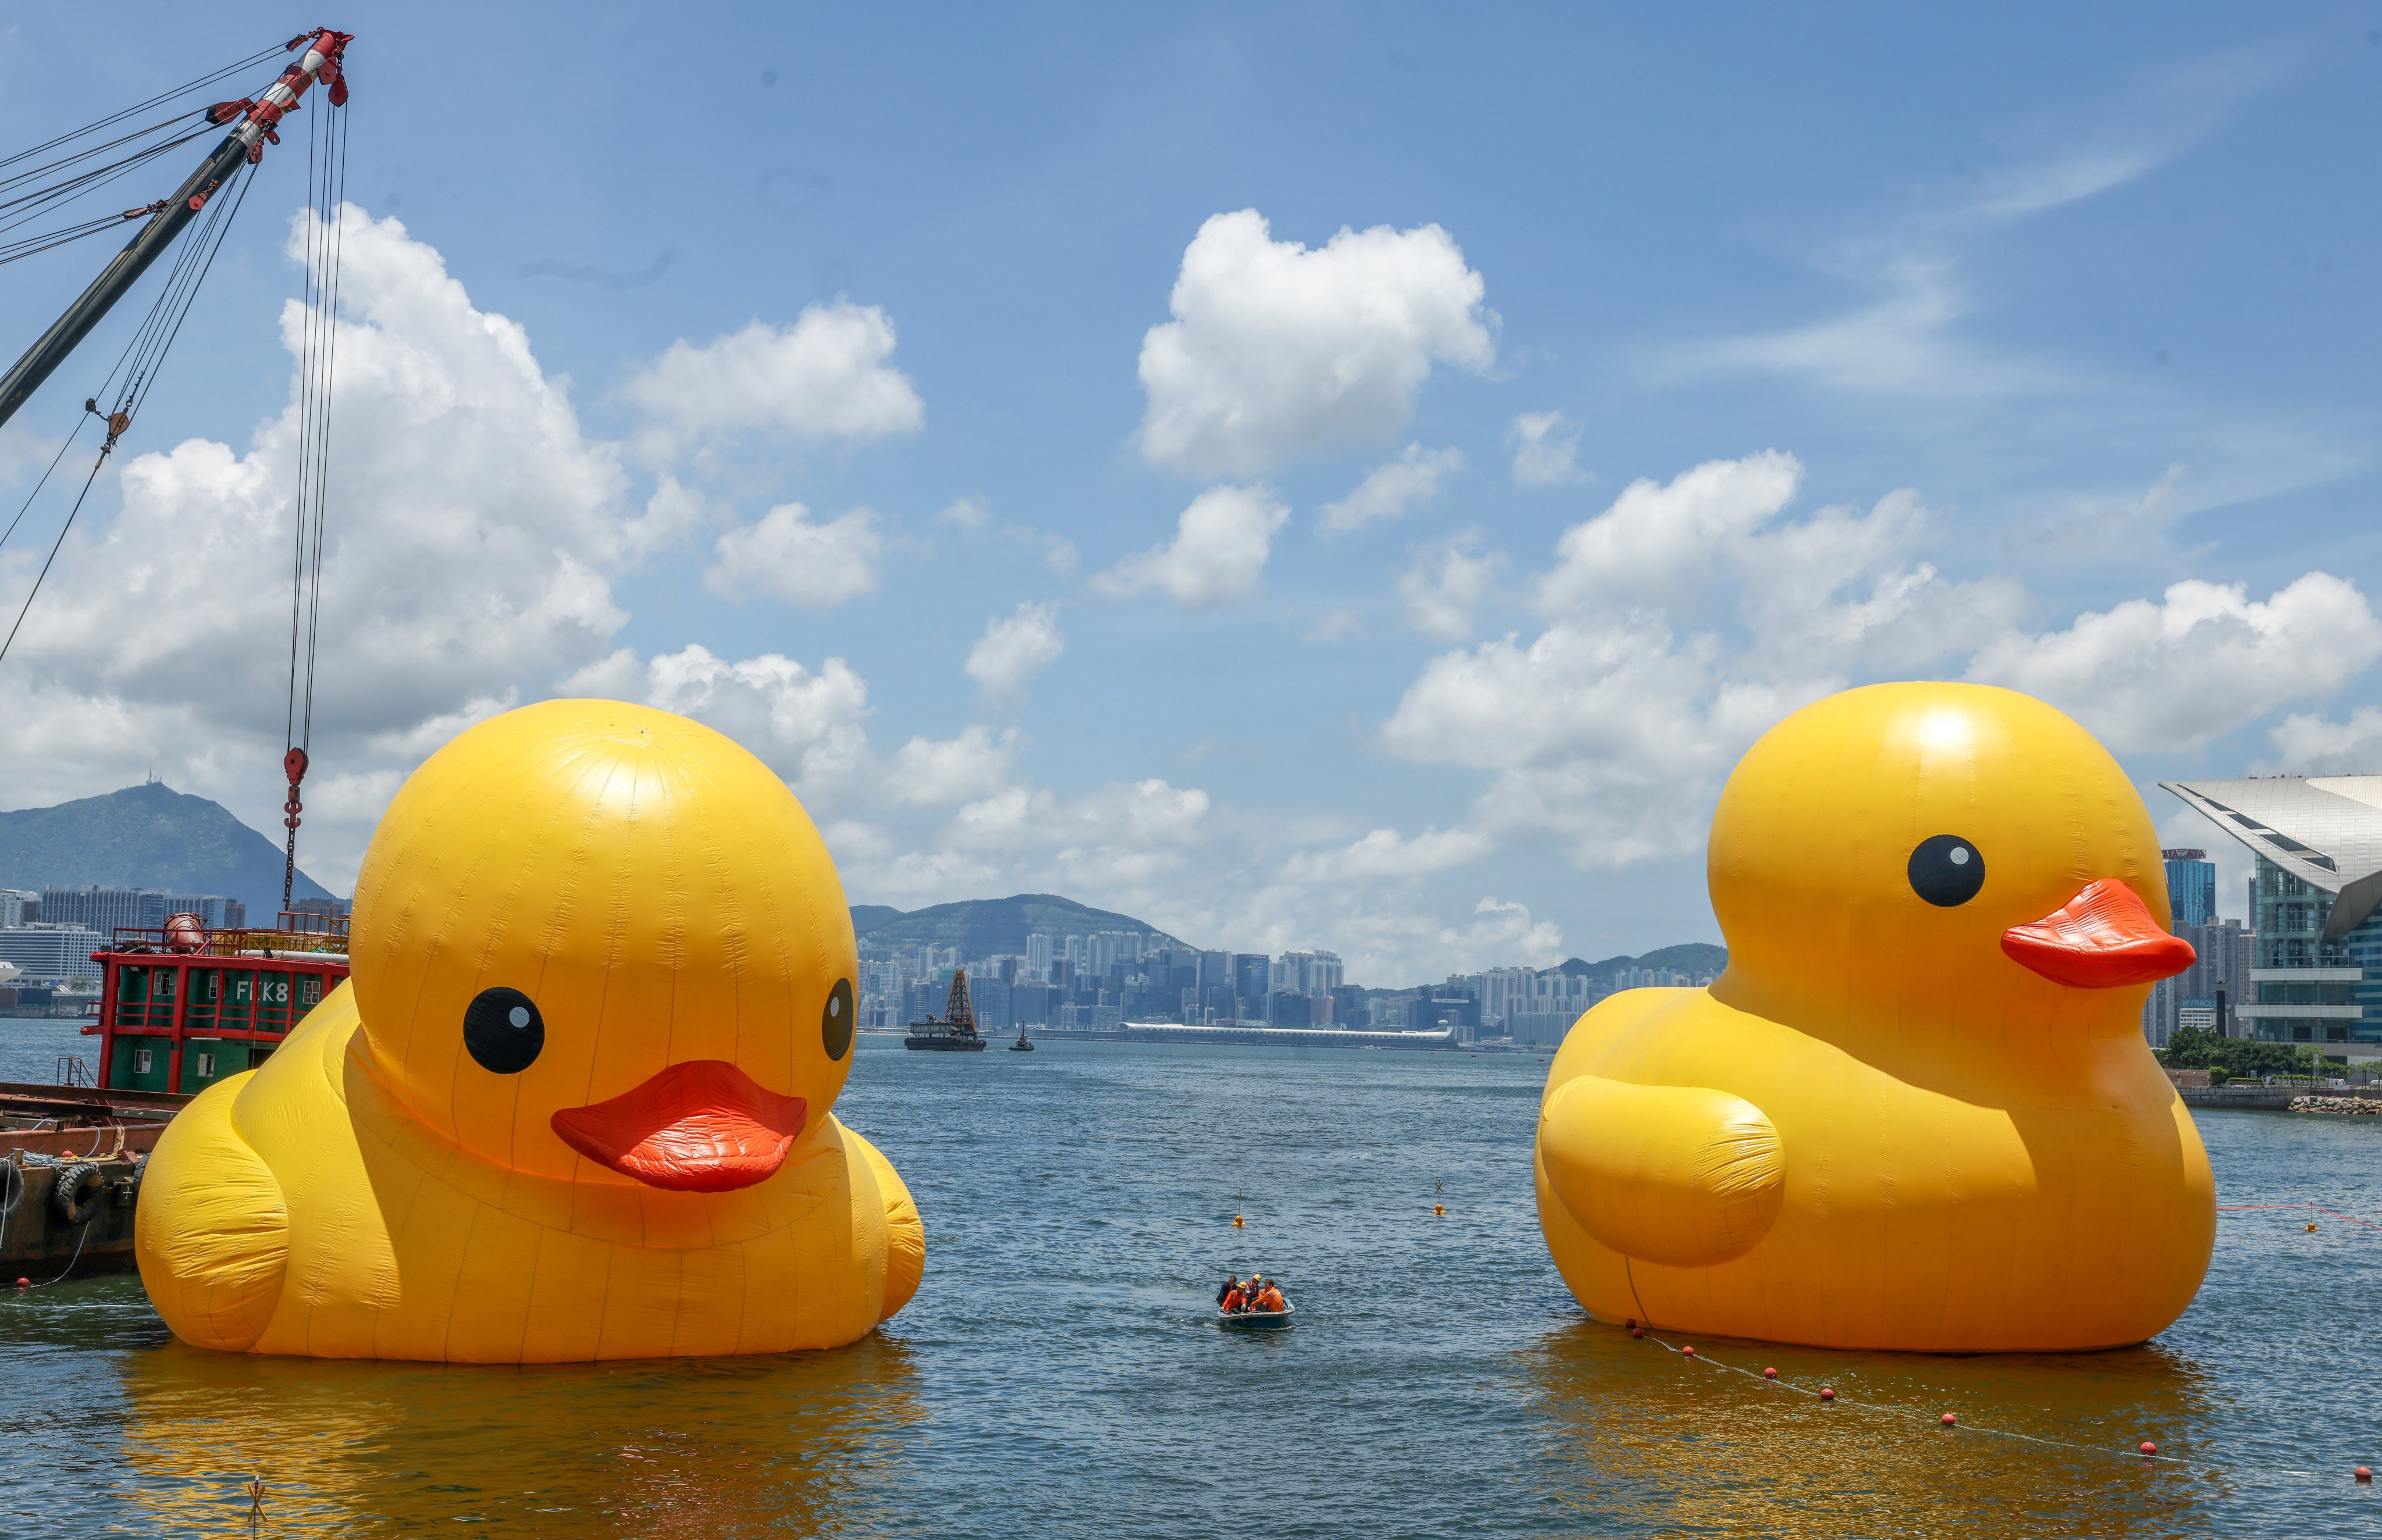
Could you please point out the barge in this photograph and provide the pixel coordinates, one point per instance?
(180, 1008)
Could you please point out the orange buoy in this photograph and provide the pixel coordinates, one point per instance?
(1769, 1374)
(2310, 1230)
(1827, 1394)
(1687, 1352)
(2149, 1447)
(1949, 1419)
(1439, 1208)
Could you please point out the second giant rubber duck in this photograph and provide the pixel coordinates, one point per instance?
(1917, 1110)
(574, 1101)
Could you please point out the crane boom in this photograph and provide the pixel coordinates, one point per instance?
(255, 124)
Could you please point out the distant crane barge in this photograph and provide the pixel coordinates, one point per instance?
(955, 1031)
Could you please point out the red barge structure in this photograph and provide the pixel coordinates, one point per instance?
(180, 1008)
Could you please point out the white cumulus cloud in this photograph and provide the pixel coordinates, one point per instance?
(1390, 489)
(1447, 582)
(827, 377)
(938, 773)
(475, 533)
(807, 726)
(2204, 661)
(1277, 351)
(1661, 542)
(1546, 449)
(1217, 555)
(2312, 744)
(1014, 648)
(787, 556)
(1383, 855)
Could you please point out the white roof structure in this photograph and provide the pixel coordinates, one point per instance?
(2325, 830)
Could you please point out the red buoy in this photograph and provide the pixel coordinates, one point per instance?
(1687, 1352)
(2364, 1475)
(1949, 1419)
(1769, 1374)
(1637, 1331)
(1827, 1394)
(24, 1283)
(1631, 1322)
(2149, 1447)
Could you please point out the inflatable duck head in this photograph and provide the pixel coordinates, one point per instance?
(1948, 860)
(599, 942)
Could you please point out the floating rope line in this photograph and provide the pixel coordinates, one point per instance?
(1946, 1420)
(2312, 1208)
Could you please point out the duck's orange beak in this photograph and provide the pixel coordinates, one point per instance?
(2100, 939)
(700, 1126)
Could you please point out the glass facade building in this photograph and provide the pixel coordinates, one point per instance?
(2190, 888)
(2315, 896)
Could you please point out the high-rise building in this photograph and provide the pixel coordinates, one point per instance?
(51, 954)
(106, 910)
(1308, 973)
(14, 906)
(2223, 963)
(2190, 888)
(2315, 975)
(1037, 955)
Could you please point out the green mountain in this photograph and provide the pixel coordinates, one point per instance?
(1690, 956)
(147, 837)
(992, 927)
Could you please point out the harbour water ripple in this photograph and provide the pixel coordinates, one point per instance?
(1059, 1373)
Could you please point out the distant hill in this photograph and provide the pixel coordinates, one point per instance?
(1690, 956)
(147, 837)
(992, 927)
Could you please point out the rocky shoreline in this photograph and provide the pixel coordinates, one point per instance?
(2335, 1104)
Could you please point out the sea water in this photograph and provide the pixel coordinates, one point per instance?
(1061, 1372)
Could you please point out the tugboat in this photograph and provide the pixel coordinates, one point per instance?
(955, 1031)
(1023, 1045)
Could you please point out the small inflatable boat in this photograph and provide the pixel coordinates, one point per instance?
(1256, 1320)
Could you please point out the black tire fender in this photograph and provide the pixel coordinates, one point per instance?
(77, 1192)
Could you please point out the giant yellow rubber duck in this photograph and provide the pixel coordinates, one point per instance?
(574, 1101)
(1916, 1111)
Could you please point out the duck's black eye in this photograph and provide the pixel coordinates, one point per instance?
(1946, 870)
(835, 1019)
(504, 1031)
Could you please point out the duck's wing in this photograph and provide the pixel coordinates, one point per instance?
(212, 1233)
(906, 1234)
(1681, 1175)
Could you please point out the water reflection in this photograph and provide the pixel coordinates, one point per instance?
(1645, 1440)
(807, 1444)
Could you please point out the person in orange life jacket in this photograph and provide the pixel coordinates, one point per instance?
(1235, 1300)
(1270, 1299)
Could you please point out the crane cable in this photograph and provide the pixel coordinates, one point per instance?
(139, 364)
(326, 186)
(18, 206)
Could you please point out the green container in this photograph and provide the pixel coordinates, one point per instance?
(140, 1063)
(208, 1059)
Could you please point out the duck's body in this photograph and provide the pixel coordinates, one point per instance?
(1872, 1131)
(511, 1138)
(2039, 1215)
(297, 1209)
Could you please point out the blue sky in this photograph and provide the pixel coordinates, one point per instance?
(1312, 596)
